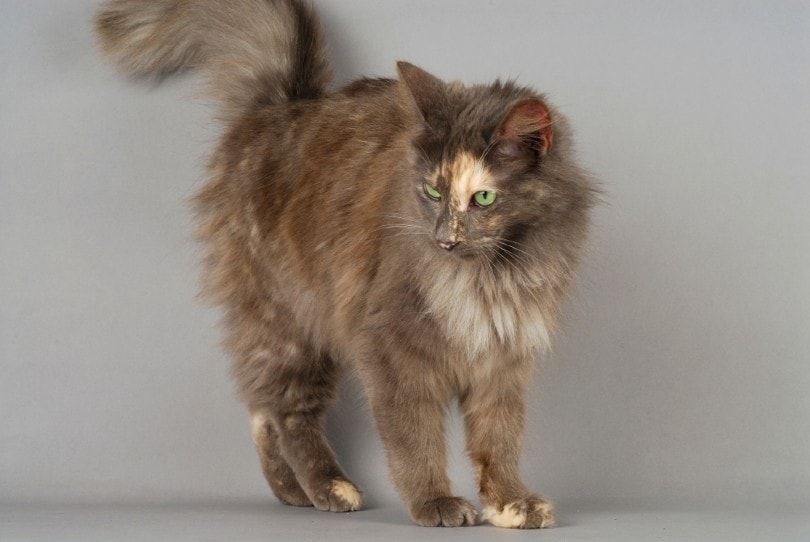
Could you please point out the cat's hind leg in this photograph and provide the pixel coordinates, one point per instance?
(287, 394)
(275, 468)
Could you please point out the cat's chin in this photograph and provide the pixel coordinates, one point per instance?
(462, 254)
(467, 253)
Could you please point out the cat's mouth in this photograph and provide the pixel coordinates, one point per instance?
(461, 250)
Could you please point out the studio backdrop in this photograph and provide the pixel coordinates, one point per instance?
(681, 372)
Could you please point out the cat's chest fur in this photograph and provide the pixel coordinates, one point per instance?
(481, 309)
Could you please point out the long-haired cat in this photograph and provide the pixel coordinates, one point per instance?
(419, 232)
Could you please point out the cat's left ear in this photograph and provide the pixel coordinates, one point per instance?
(425, 90)
(526, 127)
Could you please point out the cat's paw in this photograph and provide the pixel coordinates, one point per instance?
(445, 512)
(338, 496)
(533, 512)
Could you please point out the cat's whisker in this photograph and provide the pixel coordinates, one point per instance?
(511, 264)
(488, 268)
(403, 219)
(486, 151)
(398, 234)
(396, 226)
(521, 270)
(531, 288)
(507, 255)
(517, 253)
(394, 231)
(513, 244)
(392, 215)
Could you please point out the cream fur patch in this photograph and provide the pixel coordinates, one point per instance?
(347, 492)
(510, 517)
(513, 517)
(467, 175)
(479, 315)
(457, 304)
(258, 426)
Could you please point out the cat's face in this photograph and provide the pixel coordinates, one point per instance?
(478, 180)
(463, 202)
(474, 203)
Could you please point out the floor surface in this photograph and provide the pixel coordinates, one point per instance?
(270, 522)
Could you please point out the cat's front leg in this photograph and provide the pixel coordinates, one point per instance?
(409, 415)
(494, 419)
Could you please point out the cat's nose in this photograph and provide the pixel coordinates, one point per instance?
(448, 245)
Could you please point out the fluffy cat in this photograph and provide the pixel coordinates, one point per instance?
(418, 232)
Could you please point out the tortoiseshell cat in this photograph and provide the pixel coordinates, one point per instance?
(419, 232)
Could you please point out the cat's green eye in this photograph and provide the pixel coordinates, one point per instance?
(484, 198)
(432, 193)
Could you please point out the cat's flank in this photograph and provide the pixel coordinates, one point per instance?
(420, 233)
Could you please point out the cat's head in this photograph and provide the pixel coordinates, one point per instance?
(488, 171)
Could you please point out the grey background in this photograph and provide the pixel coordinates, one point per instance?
(681, 376)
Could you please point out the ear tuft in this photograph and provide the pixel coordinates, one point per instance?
(527, 126)
(424, 89)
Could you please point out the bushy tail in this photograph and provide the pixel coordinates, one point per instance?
(255, 52)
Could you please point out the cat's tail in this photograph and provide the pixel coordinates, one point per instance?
(255, 52)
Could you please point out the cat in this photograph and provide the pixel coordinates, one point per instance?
(420, 233)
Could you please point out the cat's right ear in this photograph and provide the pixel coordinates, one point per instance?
(427, 92)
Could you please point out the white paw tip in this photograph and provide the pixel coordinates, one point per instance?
(510, 517)
(346, 491)
(513, 515)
